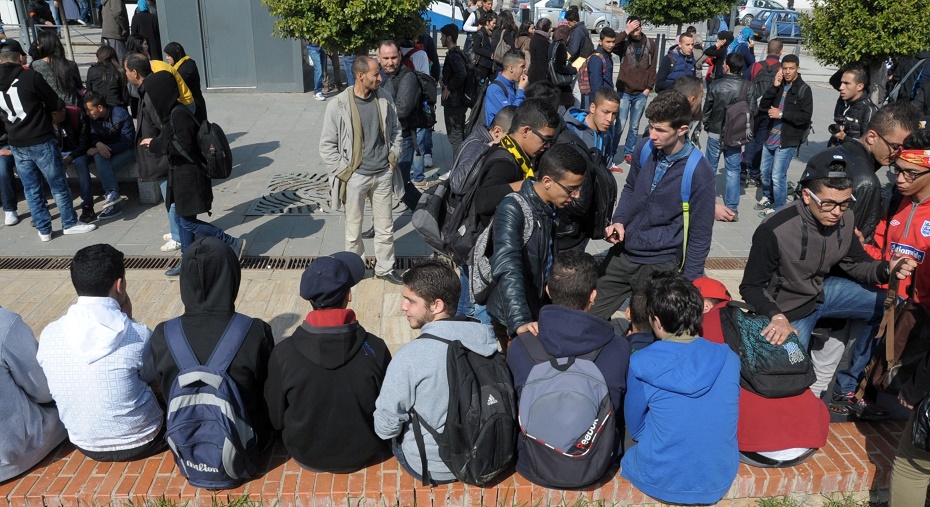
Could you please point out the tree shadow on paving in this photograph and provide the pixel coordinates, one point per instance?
(260, 239)
(231, 137)
(248, 158)
(881, 442)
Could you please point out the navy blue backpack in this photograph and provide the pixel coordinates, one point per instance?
(208, 430)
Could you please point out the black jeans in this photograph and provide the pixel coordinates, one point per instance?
(455, 127)
(619, 277)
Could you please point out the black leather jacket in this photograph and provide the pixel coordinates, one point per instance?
(857, 116)
(720, 94)
(518, 270)
(867, 188)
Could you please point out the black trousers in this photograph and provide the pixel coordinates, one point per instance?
(455, 127)
(619, 277)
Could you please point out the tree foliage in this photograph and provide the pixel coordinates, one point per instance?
(348, 25)
(677, 12)
(840, 32)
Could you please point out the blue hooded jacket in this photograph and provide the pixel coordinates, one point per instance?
(600, 141)
(681, 407)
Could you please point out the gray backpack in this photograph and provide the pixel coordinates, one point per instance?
(481, 279)
(567, 421)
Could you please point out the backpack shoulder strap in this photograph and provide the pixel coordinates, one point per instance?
(533, 348)
(179, 346)
(744, 91)
(527, 220)
(174, 138)
(230, 342)
(693, 159)
(644, 154)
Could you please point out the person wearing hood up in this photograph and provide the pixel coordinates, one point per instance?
(187, 68)
(416, 377)
(189, 186)
(145, 23)
(210, 277)
(682, 402)
(98, 362)
(595, 126)
(743, 44)
(330, 366)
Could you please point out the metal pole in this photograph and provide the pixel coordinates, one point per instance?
(23, 16)
(64, 23)
(661, 43)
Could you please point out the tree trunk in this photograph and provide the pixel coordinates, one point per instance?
(878, 77)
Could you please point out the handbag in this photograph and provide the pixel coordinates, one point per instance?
(556, 77)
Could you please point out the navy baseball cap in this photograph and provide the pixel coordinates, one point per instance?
(327, 280)
(12, 45)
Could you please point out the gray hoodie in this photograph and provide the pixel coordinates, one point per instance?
(416, 378)
(29, 424)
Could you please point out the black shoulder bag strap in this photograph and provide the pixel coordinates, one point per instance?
(174, 137)
(419, 424)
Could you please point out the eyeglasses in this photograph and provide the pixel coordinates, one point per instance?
(894, 148)
(909, 176)
(547, 140)
(827, 206)
(571, 191)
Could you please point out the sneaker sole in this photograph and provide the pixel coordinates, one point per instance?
(107, 205)
(103, 215)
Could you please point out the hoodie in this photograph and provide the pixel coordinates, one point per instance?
(210, 276)
(323, 381)
(30, 121)
(416, 379)
(600, 141)
(681, 407)
(98, 364)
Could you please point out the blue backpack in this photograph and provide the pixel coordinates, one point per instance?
(690, 166)
(208, 430)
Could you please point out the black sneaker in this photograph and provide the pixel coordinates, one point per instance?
(753, 183)
(369, 234)
(864, 410)
(391, 277)
(87, 215)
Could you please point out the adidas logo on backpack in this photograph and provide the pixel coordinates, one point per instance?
(491, 400)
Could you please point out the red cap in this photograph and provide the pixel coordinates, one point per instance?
(712, 289)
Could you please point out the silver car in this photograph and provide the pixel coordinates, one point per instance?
(750, 9)
(594, 18)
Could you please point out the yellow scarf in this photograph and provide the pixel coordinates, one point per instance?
(518, 155)
(177, 64)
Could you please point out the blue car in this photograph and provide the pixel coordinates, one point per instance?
(787, 28)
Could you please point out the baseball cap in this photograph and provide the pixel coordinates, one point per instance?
(818, 166)
(712, 289)
(327, 280)
(13, 45)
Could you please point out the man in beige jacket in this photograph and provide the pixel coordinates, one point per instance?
(360, 145)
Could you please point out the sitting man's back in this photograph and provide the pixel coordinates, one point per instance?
(681, 403)
(98, 362)
(324, 379)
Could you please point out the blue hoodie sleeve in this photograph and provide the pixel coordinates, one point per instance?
(635, 405)
(494, 101)
(613, 361)
(519, 363)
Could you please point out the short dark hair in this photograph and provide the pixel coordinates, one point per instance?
(735, 62)
(512, 57)
(670, 106)
(504, 118)
(685, 35)
(534, 113)
(487, 18)
(689, 86)
(791, 59)
(572, 15)
(572, 279)
(450, 30)
(917, 140)
(559, 160)
(390, 42)
(138, 62)
(95, 99)
(691, 29)
(604, 94)
(9, 56)
(859, 74)
(901, 114)
(775, 46)
(545, 90)
(432, 279)
(818, 184)
(361, 65)
(639, 312)
(607, 33)
(544, 24)
(633, 17)
(675, 301)
(95, 268)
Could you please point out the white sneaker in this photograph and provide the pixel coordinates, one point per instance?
(170, 246)
(427, 160)
(45, 237)
(11, 218)
(166, 237)
(80, 228)
(319, 96)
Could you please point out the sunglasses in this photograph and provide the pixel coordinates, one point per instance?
(571, 191)
(547, 140)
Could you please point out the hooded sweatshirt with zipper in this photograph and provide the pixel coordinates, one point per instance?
(417, 379)
(30, 123)
(98, 363)
(323, 381)
(677, 389)
(210, 277)
(600, 141)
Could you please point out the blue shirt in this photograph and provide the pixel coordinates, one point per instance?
(496, 98)
(663, 162)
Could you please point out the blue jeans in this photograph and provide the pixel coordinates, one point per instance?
(172, 217)
(44, 161)
(402, 461)
(753, 150)
(7, 190)
(427, 144)
(775, 174)
(107, 168)
(347, 62)
(466, 307)
(189, 226)
(731, 161)
(84, 6)
(417, 166)
(319, 67)
(632, 107)
(411, 193)
(55, 15)
(845, 299)
(82, 168)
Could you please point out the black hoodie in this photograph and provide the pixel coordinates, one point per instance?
(322, 385)
(210, 276)
(27, 116)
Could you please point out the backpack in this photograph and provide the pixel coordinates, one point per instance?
(584, 81)
(737, 120)
(430, 214)
(906, 87)
(501, 49)
(479, 438)
(555, 77)
(810, 128)
(480, 273)
(216, 157)
(476, 116)
(693, 159)
(598, 195)
(207, 428)
(471, 87)
(424, 116)
(765, 78)
(567, 421)
(772, 371)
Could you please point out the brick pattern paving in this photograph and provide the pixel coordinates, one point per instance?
(857, 458)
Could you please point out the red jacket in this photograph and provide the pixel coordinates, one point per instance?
(907, 234)
(773, 424)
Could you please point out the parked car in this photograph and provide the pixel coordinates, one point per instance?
(750, 9)
(788, 27)
(594, 18)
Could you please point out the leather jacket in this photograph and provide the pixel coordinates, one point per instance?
(520, 271)
(720, 94)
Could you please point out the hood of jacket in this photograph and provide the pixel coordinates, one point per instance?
(565, 332)
(688, 369)
(8, 73)
(329, 338)
(210, 276)
(162, 90)
(95, 326)
(474, 335)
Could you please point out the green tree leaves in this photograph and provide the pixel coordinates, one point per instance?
(677, 12)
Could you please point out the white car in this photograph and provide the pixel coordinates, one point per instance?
(594, 18)
(750, 9)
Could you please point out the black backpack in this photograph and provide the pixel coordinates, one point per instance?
(479, 440)
(476, 116)
(765, 78)
(772, 371)
(215, 155)
(424, 115)
(471, 87)
(738, 121)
